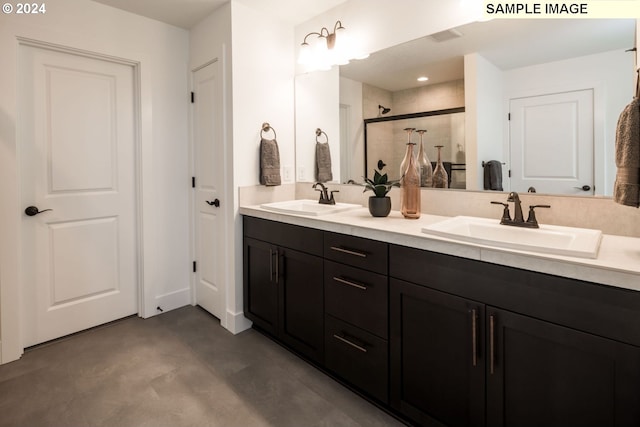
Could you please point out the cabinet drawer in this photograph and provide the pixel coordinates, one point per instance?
(303, 239)
(357, 356)
(356, 296)
(356, 251)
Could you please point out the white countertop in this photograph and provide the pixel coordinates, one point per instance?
(617, 264)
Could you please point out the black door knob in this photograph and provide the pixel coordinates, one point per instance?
(33, 211)
(584, 188)
(215, 203)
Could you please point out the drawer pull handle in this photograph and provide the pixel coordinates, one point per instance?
(346, 341)
(350, 283)
(347, 251)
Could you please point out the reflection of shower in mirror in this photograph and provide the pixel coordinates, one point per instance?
(382, 110)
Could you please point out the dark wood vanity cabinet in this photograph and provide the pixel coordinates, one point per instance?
(443, 340)
(283, 284)
(459, 361)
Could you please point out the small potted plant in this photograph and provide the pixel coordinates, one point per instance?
(380, 203)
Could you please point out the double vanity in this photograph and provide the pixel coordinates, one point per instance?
(447, 321)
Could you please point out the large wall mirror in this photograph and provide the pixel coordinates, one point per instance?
(563, 83)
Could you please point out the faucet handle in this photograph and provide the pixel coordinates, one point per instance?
(506, 217)
(532, 215)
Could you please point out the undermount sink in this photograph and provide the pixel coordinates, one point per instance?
(549, 239)
(307, 207)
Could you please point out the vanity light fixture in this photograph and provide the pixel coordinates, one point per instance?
(327, 49)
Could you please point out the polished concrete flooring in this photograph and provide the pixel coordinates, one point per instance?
(177, 369)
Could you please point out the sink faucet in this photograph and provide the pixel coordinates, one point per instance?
(325, 198)
(518, 219)
(517, 207)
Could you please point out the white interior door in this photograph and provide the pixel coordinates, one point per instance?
(77, 155)
(209, 179)
(552, 143)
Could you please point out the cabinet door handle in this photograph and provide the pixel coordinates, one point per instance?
(347, 251)
(492, 343)
(271, 265)
(350, 283)
(474, 337)
(352, 344)
(277, 266)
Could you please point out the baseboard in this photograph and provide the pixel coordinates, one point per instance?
(172, 300)
(236, 322)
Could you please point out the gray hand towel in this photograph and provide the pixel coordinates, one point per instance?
(323, 162)
(269, 162)
(493, 175)
(626, 190)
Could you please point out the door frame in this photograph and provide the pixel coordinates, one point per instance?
(599, 136)
(11, 339)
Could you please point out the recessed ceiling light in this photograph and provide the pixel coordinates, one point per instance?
(423, 79)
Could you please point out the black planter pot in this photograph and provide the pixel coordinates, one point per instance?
(379, 206)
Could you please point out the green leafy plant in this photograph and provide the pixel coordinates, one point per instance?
(380, 184)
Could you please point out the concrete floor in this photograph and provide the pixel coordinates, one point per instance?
(177, 369)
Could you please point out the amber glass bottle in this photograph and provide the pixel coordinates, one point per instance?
(410, 182)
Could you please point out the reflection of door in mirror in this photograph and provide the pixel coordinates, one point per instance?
(551, 140)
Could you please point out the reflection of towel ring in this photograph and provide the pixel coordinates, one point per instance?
(319, 132)
(266, 127)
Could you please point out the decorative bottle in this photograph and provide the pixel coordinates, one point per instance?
(440, 175)
(410, 182)
(424, 165)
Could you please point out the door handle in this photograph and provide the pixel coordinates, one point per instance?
(33, 211)
(215, 203)
(584, 188)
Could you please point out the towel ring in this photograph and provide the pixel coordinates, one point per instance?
(266, 127)
(319, 132)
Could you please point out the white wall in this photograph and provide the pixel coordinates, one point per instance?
(317, 101)
(609, 74)
(352, 165)
(484, 117)
(162, 52)
(263, 68)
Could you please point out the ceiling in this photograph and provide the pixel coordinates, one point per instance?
(187, 13)
(506, 43)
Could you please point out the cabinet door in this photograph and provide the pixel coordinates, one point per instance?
(301, 302)
(437, 363)
(542, 374)
(260, 285)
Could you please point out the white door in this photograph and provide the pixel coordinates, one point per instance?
(552, 143)
(77, 156)
(209, 179)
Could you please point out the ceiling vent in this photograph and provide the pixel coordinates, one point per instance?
(445, 35)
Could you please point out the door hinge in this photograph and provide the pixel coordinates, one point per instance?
(508, 115)
(193, 182)
(194, 267)
(509, 173)
(193, 97)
